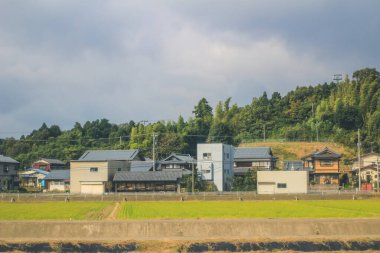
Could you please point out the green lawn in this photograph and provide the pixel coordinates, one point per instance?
(54, 210)
(251, 209)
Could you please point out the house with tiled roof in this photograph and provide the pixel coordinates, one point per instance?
(369, 164)
(254, 158)
(323, 166)
(58, 180)
(49, 164)
(93, 172)
(8, 173)
(182, 162)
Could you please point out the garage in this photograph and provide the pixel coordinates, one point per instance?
(92, 188)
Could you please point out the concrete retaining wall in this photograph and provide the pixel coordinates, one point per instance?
(190, 229)
(208, 196)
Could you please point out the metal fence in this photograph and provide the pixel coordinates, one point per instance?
(198, 196)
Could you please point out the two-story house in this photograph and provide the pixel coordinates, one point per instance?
(93, 172)
(368, 167)
(323, 166)
(179, 162)
(8, 173)
(253, 158)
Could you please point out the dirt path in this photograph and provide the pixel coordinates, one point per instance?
(115, 210)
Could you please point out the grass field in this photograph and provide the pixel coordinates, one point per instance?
(55, 210)
(251, 209)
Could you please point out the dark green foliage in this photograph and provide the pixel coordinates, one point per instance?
(246, 182)
(331, 112)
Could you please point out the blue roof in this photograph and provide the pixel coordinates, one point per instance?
(44, 172)
(58, 175)
(109, 155)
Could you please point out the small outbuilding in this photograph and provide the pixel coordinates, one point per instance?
(58, 180)
(275, 182)
(147, 181)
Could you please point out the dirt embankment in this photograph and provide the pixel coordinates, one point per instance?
(191, 246)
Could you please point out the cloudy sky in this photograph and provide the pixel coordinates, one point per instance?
(67, 61)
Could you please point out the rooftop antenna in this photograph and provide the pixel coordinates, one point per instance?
(337, 78)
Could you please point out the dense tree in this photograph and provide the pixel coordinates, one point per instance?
(325, 111)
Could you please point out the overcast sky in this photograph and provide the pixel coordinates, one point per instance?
(67, 61)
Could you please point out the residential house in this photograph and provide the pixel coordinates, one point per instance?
(277, 182)
(58, 180)
(147, 181)
(323, 166)
(369, 165)
(179, 162)
(94, 171)
(8, 173)
(49, 164)
(253, 158)
(215, 164)
(32, 179)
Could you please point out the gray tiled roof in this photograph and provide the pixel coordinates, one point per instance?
(58, 175)
(141, 166)
(151, 176)
(109, 155)
(6, 159)
(325, 153)
(293, 165)
(178, 159)
(52, 161)
(253, 153)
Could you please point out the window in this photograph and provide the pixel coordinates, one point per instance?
(206, 156)
(93, 169)
(326, 163)
(6, 169)
(118, 169)
(281, 185)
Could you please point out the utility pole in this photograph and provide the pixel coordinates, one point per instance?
(193, 177)
(120, 140)
(377, 174)
(264, 132)
(154, 158)
(337, 78)
(316, 125)
(359, 161)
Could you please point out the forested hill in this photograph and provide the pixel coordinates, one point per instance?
(332, 112)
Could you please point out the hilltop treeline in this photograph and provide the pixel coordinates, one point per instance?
(331, 112)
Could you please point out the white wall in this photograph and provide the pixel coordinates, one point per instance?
(218, 167)
(273, 182)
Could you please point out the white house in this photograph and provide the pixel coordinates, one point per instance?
(273, 182)
(215, 164)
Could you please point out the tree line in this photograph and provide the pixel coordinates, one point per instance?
(330, 112)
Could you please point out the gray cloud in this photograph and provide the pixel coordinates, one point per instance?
(67, 61)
